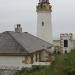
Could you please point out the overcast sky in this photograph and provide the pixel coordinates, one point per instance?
(13, 12)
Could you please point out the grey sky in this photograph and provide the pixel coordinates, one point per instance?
(24, 12)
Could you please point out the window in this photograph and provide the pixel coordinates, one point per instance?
(42, 24)
(65, 43)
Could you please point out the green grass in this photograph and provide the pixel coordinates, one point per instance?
(63, 65)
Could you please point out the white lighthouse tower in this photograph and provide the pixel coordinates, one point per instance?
(44, 25)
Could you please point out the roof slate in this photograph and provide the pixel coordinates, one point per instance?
(23, 42)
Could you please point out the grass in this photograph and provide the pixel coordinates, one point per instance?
(63, 65)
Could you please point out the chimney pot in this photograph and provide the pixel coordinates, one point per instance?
(18, 28)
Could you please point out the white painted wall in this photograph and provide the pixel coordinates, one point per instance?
(44, 32)
(12, 62)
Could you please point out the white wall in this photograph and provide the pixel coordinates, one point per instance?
(12, 62)
(44, 32)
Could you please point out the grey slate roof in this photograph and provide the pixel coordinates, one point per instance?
(23, 42)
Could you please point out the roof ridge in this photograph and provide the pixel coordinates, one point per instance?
(16, 40)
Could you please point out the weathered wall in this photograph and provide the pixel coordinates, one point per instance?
(44, 56)
(68, 37)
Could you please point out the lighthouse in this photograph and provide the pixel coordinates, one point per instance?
(44, 21)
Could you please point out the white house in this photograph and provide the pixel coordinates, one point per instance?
(20, 49)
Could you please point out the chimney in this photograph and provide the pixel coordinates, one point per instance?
(18, 28)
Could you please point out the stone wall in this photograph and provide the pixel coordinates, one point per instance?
(7, 72)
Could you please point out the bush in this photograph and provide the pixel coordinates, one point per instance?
(63, 65)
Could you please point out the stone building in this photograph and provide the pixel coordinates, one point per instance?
(20, 49)
(65, 44)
